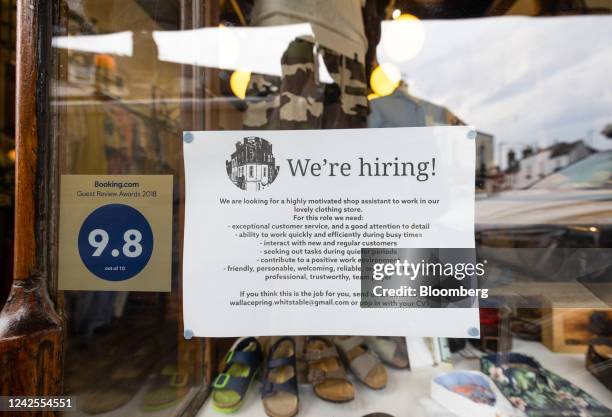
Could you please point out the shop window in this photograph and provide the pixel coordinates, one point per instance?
(129, 77)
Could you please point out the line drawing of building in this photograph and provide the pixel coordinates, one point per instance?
(252, 166)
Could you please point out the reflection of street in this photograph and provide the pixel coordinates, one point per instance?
(579, 195)
(559, 222)
(537, 164)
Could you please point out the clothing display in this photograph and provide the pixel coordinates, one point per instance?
(297, 100)
(537, 391)
(336, 25)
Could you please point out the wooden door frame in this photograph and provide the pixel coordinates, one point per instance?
(31, 329)
(32, 324)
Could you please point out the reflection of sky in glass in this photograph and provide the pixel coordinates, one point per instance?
(255, 49)
(525, 80)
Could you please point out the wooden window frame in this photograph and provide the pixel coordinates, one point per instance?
(32, 325)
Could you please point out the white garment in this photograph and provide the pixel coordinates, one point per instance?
(337, 24)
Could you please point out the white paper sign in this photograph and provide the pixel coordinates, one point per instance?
(274, 223)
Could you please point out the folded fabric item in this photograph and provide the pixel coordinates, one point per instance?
(471, 394)
(600, 323)
(537, 391)
(599, 360)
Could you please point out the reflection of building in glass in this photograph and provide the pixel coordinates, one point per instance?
(540, 163)
(252, 164)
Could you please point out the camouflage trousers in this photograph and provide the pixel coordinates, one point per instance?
(297, 100)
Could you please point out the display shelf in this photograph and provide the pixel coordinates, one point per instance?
(407, 392)
(134, 407)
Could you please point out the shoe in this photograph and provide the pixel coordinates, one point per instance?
(391, 350)
(280, 388)
(242, 363)
(362, 361)
(122, 384)
(325, 371)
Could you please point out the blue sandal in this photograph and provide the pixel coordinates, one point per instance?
(241, 366)
(280, 390)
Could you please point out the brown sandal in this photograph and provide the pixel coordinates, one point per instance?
(280, 390)
(391, 350)
(363, 363)
(326, 373)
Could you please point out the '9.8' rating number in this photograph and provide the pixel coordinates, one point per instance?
(115, 242)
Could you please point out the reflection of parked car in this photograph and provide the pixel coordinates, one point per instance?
(570, 208)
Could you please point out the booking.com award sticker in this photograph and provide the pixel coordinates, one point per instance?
(115, 242)
(115, 233)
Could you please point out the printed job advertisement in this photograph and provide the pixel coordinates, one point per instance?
(275, 222)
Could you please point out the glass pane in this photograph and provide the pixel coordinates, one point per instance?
(118, 113)
(132, 75)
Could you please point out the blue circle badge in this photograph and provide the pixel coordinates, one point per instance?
(115, 242)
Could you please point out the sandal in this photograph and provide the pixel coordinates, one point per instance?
(122, 383)
(363, 362)
(241, 366)
(280, 389)
(325, 371)
(391, 350)
(168, 387)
